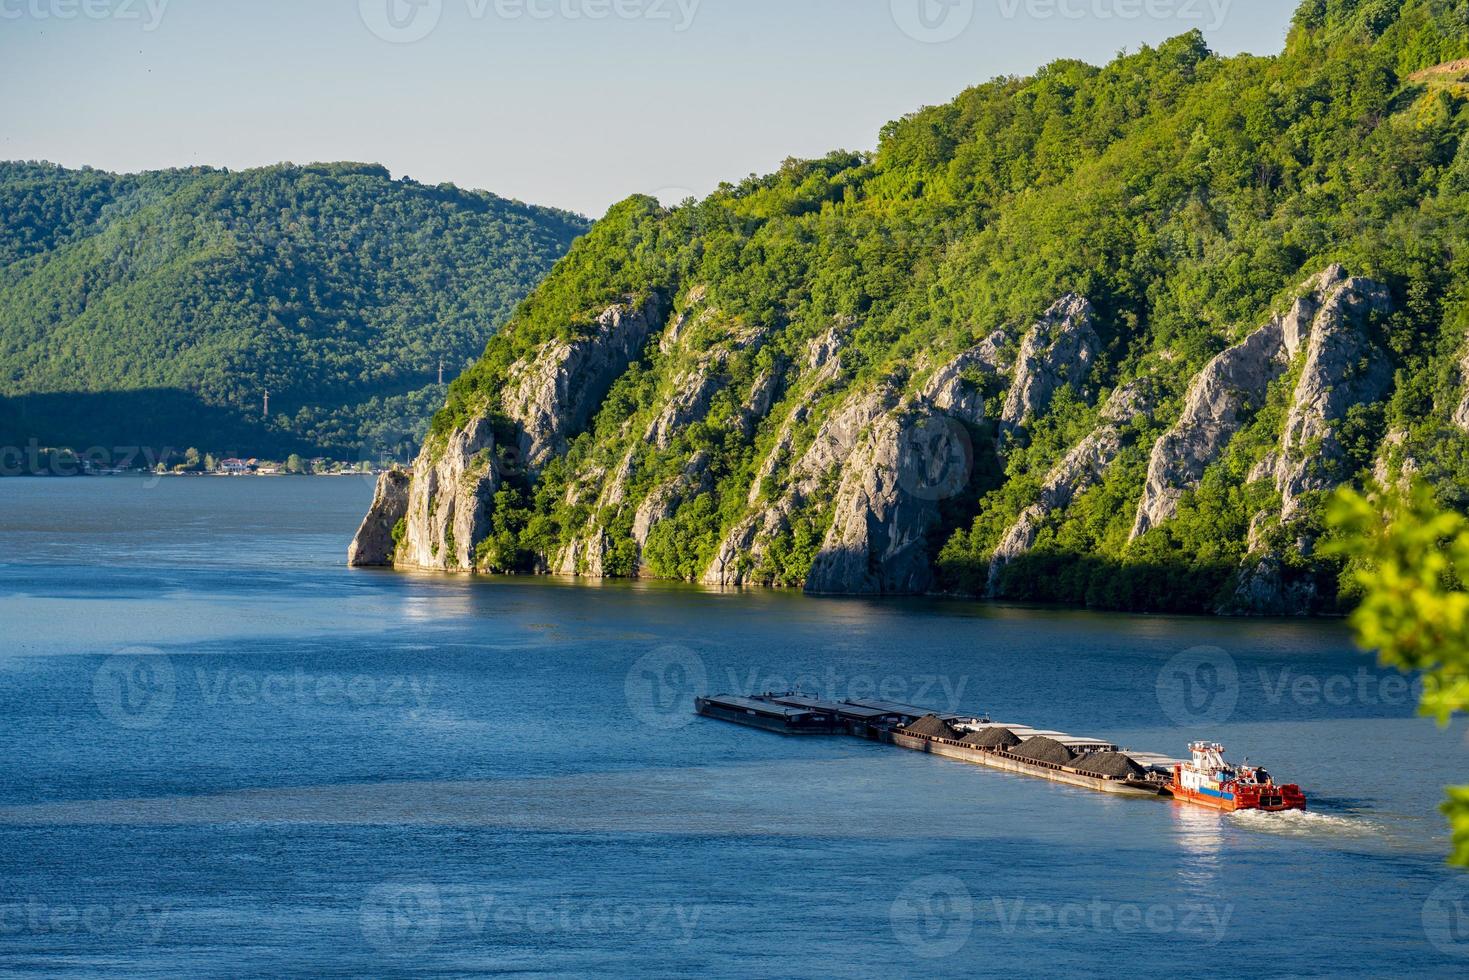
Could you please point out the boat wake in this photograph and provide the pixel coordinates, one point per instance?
(1307, 823)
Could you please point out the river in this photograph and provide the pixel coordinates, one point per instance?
(226, 754)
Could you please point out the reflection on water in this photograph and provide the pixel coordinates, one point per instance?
(1200, 834)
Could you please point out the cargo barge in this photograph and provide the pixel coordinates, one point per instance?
(760, 713)
(1000, 759)
(1089, 763)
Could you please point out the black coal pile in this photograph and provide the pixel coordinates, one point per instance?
(992, 738)
(1042, 749)
(1113, 764)
(934, 727)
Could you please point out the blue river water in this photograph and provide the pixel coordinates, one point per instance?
(226, 754)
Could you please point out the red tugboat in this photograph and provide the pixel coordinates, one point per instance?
(1210, 781)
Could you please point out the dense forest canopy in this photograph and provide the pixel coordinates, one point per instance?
(1186, 195)
(157, 309)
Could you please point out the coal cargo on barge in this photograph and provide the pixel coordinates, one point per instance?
(1090, 763)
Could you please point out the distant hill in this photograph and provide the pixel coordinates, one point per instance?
(156, 309)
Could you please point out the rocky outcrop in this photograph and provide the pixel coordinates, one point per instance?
(692, 396)
(878, 540)
(695, 388)
(554, 393)
(374, 546)
(743, 549)
(551, 397)
(584, 556)
(951, 389)
(758, 403)
(674, 334)
(910, 460)
(1344, 368)
(1221, 401)
(1059, 350)
(893, 460)
(826, 348)
(1395, 463)
(1083, 468)
(1213, 414)
(451, 499)
(869, 467)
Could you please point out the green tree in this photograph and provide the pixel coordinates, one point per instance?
(1411, 562)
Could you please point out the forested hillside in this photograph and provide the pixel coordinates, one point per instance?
(1101, 335)
(157, 309)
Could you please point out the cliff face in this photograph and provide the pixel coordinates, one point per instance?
(1100, 336)
(554, 392)
(1233, 386)
(867, 470)
(1058, 350)
(450, 496)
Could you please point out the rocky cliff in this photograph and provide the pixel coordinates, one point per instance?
(1105, 336)
(870, 468)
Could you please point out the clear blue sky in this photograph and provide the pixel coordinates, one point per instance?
(543, 100)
